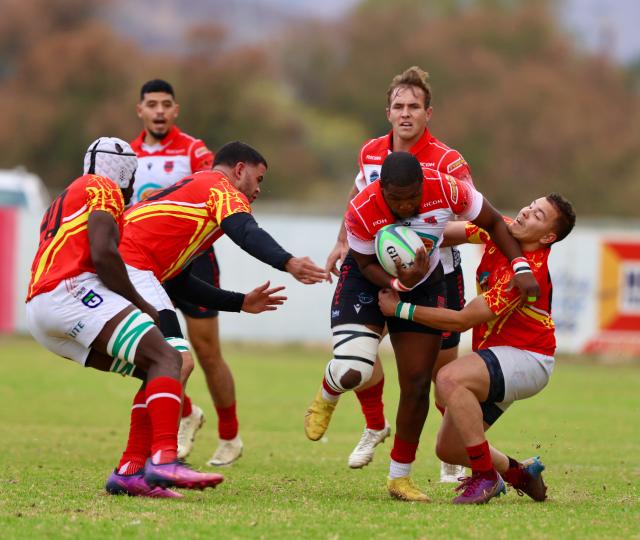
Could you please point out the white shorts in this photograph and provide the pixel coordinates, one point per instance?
(68, 319)
(514, 374)
(150, 288)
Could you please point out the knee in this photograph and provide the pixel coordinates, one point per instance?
(343, 375)
(446, 382)
(415, 386)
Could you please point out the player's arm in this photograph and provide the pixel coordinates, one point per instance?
(491, 221)
(474, 313)
(407, 278)
(104, 238)
(339, 252)
(454, 234)
(243, 230)
(186, 286)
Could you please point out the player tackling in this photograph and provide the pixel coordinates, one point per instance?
(513, 348)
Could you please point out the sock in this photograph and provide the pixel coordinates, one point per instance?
(328, 393)
(403, 451)
(163, 405)
(187, 409)
(372, 406)
(227, 422)
(139, 443)
(514, 473)
(480, 458)
(398, 470)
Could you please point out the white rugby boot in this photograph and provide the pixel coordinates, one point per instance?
(228, 452)
(363, 452)
(189, 426)
(451, 474)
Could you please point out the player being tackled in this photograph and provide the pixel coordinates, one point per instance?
(513, 347)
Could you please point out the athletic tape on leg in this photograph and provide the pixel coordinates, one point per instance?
(125, 340)
(179, 344)
(355, 347)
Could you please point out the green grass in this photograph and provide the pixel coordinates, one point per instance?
(62, 429)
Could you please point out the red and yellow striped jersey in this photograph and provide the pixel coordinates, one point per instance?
(523, 326)
(64, 249)
(165, 232)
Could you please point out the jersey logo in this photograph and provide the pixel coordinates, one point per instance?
(431, 220)
(149, 165)
(92, 299)
(168, 166)
(454, 190)
(201, 151)
(373, 176)
(457, 163)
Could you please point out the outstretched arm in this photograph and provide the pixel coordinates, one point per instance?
(474, 313)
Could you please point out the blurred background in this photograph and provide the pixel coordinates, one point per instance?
(538, 96)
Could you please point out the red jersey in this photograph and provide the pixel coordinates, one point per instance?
(443, 198)
(528, 326)
(432, 154)
(64, 241)
(162, 165)
(168, 230)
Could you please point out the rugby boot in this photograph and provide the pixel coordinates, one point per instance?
(451, 474)
(480, 488)
(134, 485)
(363, 452)
(530, 481)
(189, 426)
(180, 475)
(318, 416)
(228, 452)
(404, 489)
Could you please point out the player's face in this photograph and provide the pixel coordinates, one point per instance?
(535, 223)
(407, 114)
(249, 178)
(158, 112)
(403, 201)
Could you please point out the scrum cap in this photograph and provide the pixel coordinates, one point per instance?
(113, 158)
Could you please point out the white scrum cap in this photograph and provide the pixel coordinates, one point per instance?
(113, 158)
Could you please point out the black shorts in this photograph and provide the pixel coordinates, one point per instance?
(205, 267)
(490, 411)
(355, 300)
(454, 283)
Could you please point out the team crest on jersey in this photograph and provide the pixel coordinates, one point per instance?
(149, 165)
(431, 220)
(168, 166)
(373, 176)
(92, 299)
(454, 189)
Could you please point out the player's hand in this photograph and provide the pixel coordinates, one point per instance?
(527, 285)
(305, 270)
(411, 276)
(338, 253)
(388, 300)
(262, 298)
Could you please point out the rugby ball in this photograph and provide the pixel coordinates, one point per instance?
(396, 242)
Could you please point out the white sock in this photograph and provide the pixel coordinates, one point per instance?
(398, 470)
(329, 397)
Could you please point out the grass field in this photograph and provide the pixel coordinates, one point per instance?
(62, 429)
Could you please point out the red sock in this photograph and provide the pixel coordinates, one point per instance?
(440, 408)
(139, 443)
(186, 406)
(328, 389)
(480, 458)
(227, 422)
(514, 473)
(163, 405)
(403, 451)
(372, 406)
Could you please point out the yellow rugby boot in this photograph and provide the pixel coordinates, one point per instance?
(404, 489)
(318, 416)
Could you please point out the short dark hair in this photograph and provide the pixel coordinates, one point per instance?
(400, 169)
(238, 152)
(156, 85)
(566, 215)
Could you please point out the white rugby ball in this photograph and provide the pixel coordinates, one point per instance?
(396, 242)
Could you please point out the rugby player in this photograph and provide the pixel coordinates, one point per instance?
(513, 348)
(424, 200)
(166, 154)
(408, 111)
(82, 306)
